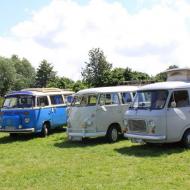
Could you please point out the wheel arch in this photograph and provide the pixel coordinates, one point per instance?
(115, 124)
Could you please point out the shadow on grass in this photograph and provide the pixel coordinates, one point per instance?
(26, 137)
(151, 150)
(84, 143)
(19, 137)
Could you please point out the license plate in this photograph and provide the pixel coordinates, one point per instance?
(9, 128)
(137, 141)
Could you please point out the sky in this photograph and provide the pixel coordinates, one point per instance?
(145, 35)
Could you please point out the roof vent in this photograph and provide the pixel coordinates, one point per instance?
(182, 74)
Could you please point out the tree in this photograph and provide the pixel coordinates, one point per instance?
(7, 75)
(63, 83)
(25, 73)
(128, 74)
(117, 76)
(97, 71)
(44, 74)
(79, 85)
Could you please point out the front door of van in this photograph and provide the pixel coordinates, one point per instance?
(108, 111)
(178, 116)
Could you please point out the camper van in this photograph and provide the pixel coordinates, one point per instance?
(98, 112)
(160, 112)
(34, 110)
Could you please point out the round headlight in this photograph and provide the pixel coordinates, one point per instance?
(27, 120)
(151, 123)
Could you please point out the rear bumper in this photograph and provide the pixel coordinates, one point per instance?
(28, 130)
(145, 137)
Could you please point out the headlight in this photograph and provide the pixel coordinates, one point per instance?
(125, 122)
(151, 127)
(27, 120)
(151, 123)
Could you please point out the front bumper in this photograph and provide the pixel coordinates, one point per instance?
(145, 137)
(28, 130)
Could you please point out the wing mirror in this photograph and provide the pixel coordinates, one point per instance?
(173, 104)
(102, 108)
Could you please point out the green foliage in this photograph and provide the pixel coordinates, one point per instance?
(97, 71)
(55, 163)
(1, 101)
(117, 76)
(63, 83)
(7, 75)
(25, 73)
(79, 85)
(44, 74)
(128, 74)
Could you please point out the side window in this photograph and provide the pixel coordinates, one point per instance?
(109, 99)
(92, 100)
(126, 97)
(115, 98)
(42, 101)
(181, 98)
(56, 99)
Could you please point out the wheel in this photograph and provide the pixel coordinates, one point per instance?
(112, 134)
(44, 131)
(13, 135)
(186, 139)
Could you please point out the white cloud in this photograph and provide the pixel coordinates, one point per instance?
(63, 32)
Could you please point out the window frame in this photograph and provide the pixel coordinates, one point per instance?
(173, 94)
(48, 100)
(104, 94)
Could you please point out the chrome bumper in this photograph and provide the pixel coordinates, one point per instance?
(144, 137)
(84, 133)
(28, 130)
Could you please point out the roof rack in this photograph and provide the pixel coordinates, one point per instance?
(43, 89)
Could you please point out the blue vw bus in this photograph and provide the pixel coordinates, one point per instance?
(35, 110)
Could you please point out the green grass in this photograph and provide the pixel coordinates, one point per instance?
(30, 162)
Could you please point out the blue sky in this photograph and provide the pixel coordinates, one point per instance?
(145, 35)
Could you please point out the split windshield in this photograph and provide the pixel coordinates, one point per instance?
(154, 99)
(19, 101)
(84, 100)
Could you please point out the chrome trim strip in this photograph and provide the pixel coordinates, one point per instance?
(145, 137)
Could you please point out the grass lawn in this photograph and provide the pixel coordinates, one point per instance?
(31, 162)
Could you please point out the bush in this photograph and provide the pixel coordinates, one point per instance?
(1, 101)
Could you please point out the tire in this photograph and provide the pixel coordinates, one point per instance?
(112, 134)
(186, 139)
(45, 130)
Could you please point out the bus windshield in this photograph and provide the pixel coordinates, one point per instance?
(19, 101)
(154, 99)
(84, 100)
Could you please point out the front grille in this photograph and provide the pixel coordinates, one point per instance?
(137, 125)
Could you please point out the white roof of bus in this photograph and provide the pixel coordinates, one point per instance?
(166, 85)
(42, 91)
(107, 89)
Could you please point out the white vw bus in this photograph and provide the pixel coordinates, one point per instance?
(160, 112)
(98, 112)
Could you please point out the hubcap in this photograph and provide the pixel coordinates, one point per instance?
(114, 134)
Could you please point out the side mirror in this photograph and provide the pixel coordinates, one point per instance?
(173, 104)
(102, 108)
